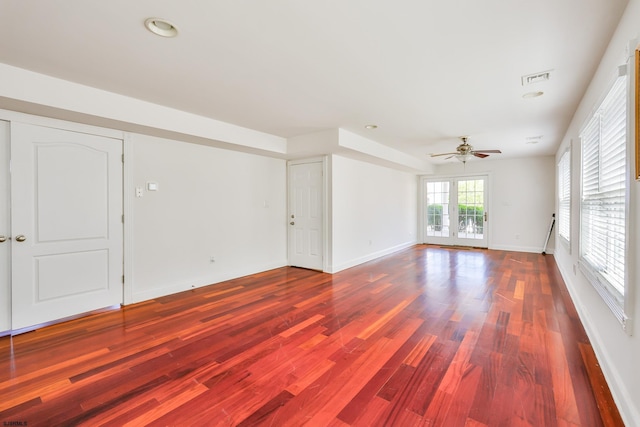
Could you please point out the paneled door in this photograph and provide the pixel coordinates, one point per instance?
(305, 215)
(66, 217)
(456, 211)
(5, 231)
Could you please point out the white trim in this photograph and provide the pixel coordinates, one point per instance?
(511, 248)
(566, 242)
(128, 195)
(370, 257)
(203, 281)
(617, 386)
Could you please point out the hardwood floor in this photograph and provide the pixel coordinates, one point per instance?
(427, 336)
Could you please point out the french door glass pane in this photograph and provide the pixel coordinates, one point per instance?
(438, 209)
(471, 209)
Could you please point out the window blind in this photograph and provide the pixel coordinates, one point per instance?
(564, 193)
(603, 201)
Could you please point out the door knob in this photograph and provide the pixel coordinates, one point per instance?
(292, 223)
(3, 239)
(20, 238)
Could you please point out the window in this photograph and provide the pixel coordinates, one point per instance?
(603, 202)
(564, 195)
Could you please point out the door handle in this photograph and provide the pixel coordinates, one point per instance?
(20, 238)
(292, 223)
(3, 239)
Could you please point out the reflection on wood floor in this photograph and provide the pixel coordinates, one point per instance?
(426, 336)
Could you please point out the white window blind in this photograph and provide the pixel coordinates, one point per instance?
(603, 202)
(564, 195)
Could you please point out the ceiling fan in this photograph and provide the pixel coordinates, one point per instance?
(464, 151)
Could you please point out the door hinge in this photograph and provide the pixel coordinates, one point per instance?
(123, 158)
(123, 278)
(123, 218)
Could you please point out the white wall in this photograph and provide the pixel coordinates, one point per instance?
(373, 211)
(210, 202)
(618, 352)
(521, 199)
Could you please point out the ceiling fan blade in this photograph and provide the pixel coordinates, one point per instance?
(450, 157)
(481, 155)
(487, 151)
(443, 154)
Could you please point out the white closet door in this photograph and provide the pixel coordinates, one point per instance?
(66, 216)
(305, 215)
(5, 231)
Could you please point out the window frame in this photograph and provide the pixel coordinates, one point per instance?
(620, 304)
(564, 196)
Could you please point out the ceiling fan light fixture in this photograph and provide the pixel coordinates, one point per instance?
(463, 157)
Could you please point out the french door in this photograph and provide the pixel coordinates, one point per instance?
(455, 211)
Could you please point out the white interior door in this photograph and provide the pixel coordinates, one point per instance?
(67, 232)
(5, 231)
(456, 211)
(305, 215)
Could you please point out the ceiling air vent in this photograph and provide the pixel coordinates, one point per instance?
(536, 78)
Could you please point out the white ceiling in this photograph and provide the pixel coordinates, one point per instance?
(424, 71)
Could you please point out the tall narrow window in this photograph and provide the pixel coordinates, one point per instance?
(564, 196)
(603, 203)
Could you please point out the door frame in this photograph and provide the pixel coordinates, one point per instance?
(326, 220)
(127, 190)
(422, 226)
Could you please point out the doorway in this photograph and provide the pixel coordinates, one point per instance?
(306, 215)
(66, 224)
(455, 211)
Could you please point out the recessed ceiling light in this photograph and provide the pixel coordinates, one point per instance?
(529, 95)
(161, 27)
(371, 127)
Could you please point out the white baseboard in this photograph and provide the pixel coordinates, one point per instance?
(369, 257)
(621, 395)
(530, 249)
(174, 288)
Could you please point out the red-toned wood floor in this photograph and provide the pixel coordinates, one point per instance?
(427, 336)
